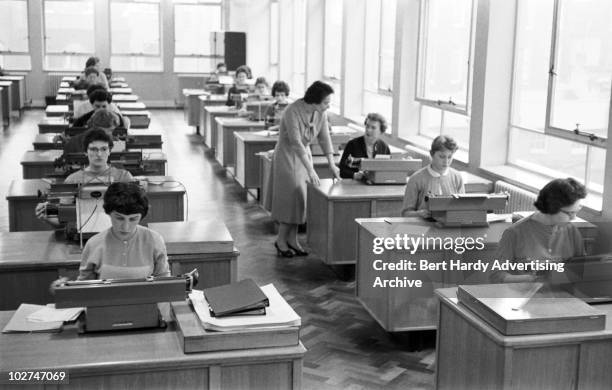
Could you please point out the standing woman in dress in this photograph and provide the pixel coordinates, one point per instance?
(302, 122)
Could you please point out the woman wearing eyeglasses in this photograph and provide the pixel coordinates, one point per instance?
(98, 145)
(547, 234)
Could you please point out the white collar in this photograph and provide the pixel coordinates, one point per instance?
(437, 174)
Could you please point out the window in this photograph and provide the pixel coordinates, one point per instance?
(332, 49)
(69, 34)
(299, 47)
(14, 50)
(135, 36)
(193, 24)
(379, 53)
(274, 37)
(570, 83)
(444, 75)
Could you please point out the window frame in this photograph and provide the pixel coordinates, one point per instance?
(549, 130)
(325, 76)
(27, 52)
(160, 54)
(47, 53)
(384, 91)
(420, 76)
(210, 56)
(272, 60)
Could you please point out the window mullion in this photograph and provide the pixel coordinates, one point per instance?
(468, 90)
(551, 68)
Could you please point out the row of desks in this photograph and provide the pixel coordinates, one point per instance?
(12, 97)
(37, 164)
(165, 198)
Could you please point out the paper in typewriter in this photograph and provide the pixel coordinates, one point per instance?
(91, 217)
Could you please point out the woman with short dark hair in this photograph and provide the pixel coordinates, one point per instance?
(367, 146)
(547, 234)
(126, 249)
(280, 93)
(302, 122)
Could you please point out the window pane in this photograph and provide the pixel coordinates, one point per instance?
(134, 28)
(431, 120)
(136, 63)
(194, 64)
(458, 127)
(445, 50)
(192, 27)
(596, 169)
(332, 41)
(69, 27)
(375, 102)
(387, 45)
(65, 62)
(371, 46)
(15, 62)
(335, 97)
(533, 35)
(14, 26)
(299, 47)
(547, 155)
(583, 66)
(274, 37)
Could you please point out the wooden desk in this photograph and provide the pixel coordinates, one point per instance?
(131, 106)
(470, 354)
(19, 92)
(64, 84)
(205, 245)
(138, 119)
(7, 101)
(192, 105)
(52, 125)
(29, 262)
(247, 145)
(148, 359)
(135, 138)
(120, 91)
(118, 84)
(117, 79)
(166, 201)
(57, 110)
(69, 79)
(412, 308)
(26, 273)
(333, 207)
(39, 163)
(125, 98)
(265, 167)
(208, 124)
(224, 149)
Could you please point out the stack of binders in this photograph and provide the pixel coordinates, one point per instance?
(236, 299)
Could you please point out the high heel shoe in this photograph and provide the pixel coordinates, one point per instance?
(283, 253)
(297, 251)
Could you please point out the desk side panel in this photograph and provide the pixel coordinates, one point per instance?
(276, 375)
(317, 218)
(554, 367)
(594, 372)
(344, 229)
(465, 357)
(197, 378)
(215, 269)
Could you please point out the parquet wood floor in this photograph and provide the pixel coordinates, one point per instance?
(346, 347)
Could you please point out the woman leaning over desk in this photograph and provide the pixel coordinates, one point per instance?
(126, 249)
(292, 165)
(545, 235)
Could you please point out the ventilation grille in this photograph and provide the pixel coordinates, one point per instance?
(53, 83)
(520, 199)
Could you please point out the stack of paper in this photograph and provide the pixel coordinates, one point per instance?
(278, 315)
(50, 314)
(20, 323)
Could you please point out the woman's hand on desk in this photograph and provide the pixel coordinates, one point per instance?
(424, 213)
(335, 172)
(56, 283)
(40, 210)
(313, 177)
